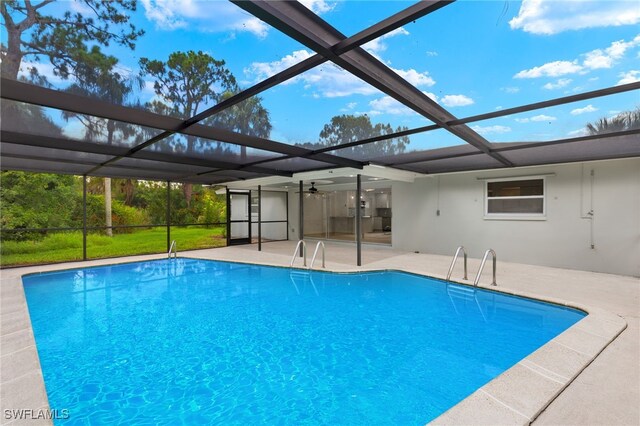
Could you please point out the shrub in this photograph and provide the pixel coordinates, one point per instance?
(36, 200)
(212, 208)
(120, 214)
(125, 215)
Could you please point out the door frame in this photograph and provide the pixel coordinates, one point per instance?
(238, 241)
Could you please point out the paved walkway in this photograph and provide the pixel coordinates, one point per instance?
(607, 392)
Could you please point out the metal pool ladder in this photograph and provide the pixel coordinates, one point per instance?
(173, 248)
(302, 277)
(304, 253)
(484, 260)
(453, 262)
(315, 253)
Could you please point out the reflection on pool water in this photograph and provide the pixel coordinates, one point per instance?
(195, 342)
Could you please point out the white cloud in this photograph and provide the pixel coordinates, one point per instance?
(74, 129)
(487, 130)
(164, 14)
(432, 96)
(432, 53)
(148, 93)
(606, 58)
(536, 118)
(263, 70)
(588, 108)
(598, 59)
(45, 69)
(318, 6)
(456, 100)
(560, 83)
(543, 117)
(551, 69)
(418, 79)
(80, 7)
(388, 105)
(334, 82)
(328, 80)
(510, 90)
(252, 25)
(629, 77)
(552, 16)
(595, 59)
(579, 132)
(349, 107)
(148, 88)
(207, 16)
(377, 45)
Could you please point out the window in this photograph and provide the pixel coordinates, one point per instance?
(515, 198)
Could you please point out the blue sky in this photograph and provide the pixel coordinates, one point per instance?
(471, 57)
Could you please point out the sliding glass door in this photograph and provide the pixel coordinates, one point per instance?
(331, 215)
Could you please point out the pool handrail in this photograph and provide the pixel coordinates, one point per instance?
(315, 253)
(173, 248)
(453, 262)
(295, 253)
(484, 260)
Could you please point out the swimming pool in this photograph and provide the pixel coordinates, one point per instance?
(195, 341)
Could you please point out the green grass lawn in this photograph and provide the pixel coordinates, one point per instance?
(66, 246)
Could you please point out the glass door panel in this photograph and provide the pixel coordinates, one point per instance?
(239, 218)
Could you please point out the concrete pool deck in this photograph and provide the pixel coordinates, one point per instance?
(590, 374)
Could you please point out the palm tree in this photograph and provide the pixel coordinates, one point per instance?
(627, 120)
(633, 119)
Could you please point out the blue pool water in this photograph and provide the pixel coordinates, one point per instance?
(202, 342)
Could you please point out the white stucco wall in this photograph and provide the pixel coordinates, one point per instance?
(563, 239)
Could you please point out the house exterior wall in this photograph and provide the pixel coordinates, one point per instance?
(562, 239)
(274, 207)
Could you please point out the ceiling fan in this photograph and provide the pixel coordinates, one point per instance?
(312, 190)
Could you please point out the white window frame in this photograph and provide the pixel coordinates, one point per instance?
(515, 216)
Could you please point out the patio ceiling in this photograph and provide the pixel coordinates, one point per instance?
(157, 152)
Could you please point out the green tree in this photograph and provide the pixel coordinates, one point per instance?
(352, 128)
(97, 78)
(17, 117)
(249, 117)
(187, 82)
(34, 34)
(152, 196)
(37, 200)
(122, 214)
(214, 208)
(127, 188)
(627, 120)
